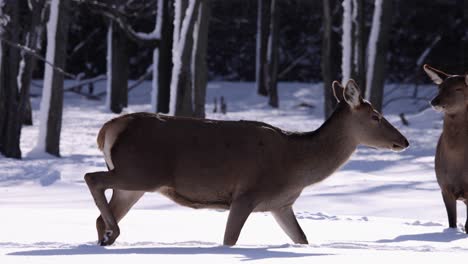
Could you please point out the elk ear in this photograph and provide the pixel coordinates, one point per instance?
(338, 89)
(436, 76)
(352, 94)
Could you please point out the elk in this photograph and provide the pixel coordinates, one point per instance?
(451, 163)
(240, 166)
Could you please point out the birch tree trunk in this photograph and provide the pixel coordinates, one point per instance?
(347, 42)
(181, 82)
(378, 46)
(199, 66)
(52, 95)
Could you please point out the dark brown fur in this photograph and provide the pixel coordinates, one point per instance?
(451, 159)
(243, 166)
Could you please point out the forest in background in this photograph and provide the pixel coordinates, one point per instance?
(182, 44)
(232, 37)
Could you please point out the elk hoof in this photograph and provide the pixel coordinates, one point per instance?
(108, 238)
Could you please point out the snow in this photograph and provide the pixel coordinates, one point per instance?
(382, 207)
(178, 50)
(346, 41)
(109, 66)
(48, 76)
(372, 45)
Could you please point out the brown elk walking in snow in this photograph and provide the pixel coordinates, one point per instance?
(240, 166)
(451, 159)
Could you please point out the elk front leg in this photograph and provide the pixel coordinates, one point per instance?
(120, 204)
(287, 221)
(451, 207)
(96, 184)
(238, 213)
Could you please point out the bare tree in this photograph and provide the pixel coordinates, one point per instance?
(199, 67)
(377, 48)
(10, 115)
(329, 60)
(52, 95)
(263, 23)
(32, 39)
(165, 58)
(359, 69)
(117, 69)
(181, 82)
(272, 56)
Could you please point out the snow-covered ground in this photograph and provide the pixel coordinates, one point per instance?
(381, 207)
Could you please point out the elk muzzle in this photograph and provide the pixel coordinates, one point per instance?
(400, 145)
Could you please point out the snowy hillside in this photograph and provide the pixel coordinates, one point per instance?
(381, 207)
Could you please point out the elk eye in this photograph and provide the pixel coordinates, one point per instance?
(458, 89)
(376, 118)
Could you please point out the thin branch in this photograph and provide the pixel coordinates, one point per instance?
(293, 64)
(34, 54)
(141, 79)
(119, 17)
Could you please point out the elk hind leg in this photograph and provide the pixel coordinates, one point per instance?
(238, 213)
(451, 207)
(287, 221)
(120, 203)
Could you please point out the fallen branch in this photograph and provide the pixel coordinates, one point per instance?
(86, 82)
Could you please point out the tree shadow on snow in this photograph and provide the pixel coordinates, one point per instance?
(448, 235)
(246, 254)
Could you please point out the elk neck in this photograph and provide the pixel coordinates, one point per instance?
(321, 152)
(455, 130)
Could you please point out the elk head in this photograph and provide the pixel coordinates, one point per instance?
(453, 91)
(367, 125)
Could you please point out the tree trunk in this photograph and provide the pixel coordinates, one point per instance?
(360, 45)
(52, 107)
(165, 59)
(181, 82)
(32, 42)
(329, 55)
(377, 63)
(347, 42)
(273, 56)
(263, 23)
(11, 118)
(199, 67)
(118, 69)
